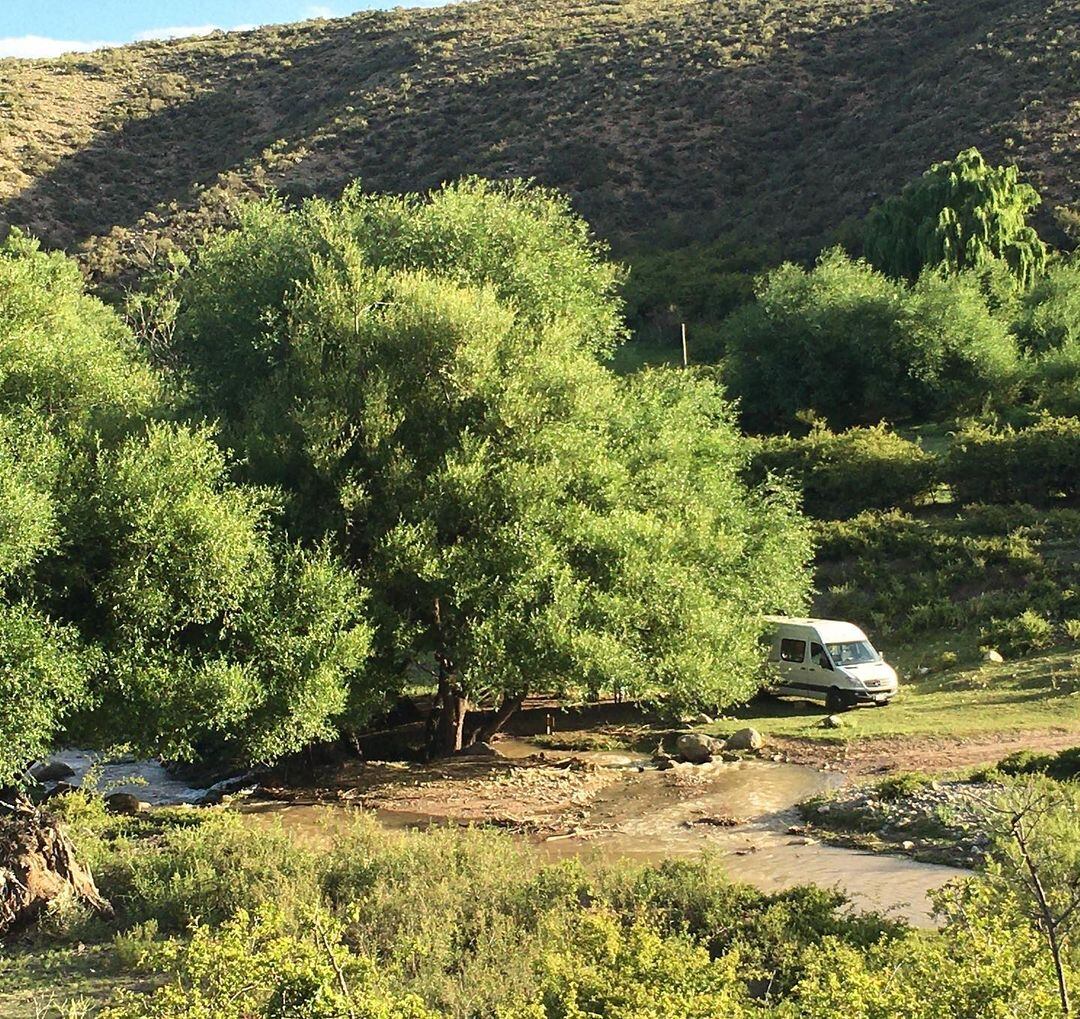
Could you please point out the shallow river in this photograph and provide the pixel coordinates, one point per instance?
(648, 816)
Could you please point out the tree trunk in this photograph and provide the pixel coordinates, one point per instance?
(455, 706)
(37, 864)
(446, 727)
(497, 719)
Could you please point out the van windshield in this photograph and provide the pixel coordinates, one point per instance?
(852, 652)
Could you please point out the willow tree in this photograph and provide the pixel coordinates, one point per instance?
(961, 214)
(145, 596)
(425, 377)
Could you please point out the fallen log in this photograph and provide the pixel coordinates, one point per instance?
(37, 866)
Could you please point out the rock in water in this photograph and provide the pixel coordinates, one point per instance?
(37, 864)
(51, 771)
(745, 739)
(696, 748)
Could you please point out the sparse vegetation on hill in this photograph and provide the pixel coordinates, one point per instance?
(666, 122)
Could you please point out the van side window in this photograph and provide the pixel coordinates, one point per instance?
(817, 654)
(792, 650)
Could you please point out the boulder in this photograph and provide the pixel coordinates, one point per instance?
(37, 865)
(994, 656)
(701, 719)
(745, 739)
(832, 722)
(51, 771)
(125, 803)
(696, 748)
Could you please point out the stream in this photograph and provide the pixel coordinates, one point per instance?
(645, 816)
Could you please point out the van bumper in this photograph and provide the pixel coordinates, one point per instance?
(857, 697)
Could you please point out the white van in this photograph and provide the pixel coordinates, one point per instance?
(829, 660)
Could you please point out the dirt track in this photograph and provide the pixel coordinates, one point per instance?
(882, 755)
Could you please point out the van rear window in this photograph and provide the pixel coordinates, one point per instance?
(792, 650)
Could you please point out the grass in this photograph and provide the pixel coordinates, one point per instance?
(46, 981)
(1033, 694)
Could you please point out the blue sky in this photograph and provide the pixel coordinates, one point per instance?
(39, 28)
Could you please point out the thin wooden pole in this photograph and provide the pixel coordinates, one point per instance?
(685, 354)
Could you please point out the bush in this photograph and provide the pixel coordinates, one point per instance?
(256, 964)
(855, 347)
(1062, 766)
(1034, 464)
(208, 872)
(901, 786)
(843, 474)
(912, 575)
(1020, 635)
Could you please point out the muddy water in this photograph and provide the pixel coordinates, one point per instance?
(658, 815)
(644, 816)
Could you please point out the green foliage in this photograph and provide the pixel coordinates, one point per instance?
(1021, 634)
(44, 672)
(208, 871)
(960, 214)
(698, 285)
(901, 786)
(433, 396)
(1036, 464)
(63, 354)
(854, 347)
(146, 598)
(463, 924)
(771, 934)
(843, 474)
(914, 575)
(982, 964)
(1048, 317)
(254, 965)
(605, 969)
(1062, 766)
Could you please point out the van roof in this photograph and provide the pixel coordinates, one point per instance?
(829, 630)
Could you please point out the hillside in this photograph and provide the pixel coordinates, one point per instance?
(666, 120)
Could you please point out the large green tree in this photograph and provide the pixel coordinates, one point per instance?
(425, 377)
(145, 597)
(961, 214)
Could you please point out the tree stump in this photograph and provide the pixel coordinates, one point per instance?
(37, 865)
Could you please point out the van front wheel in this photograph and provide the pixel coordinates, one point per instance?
(834, 700)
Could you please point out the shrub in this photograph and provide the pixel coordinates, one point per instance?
(1033, 464)
(209, 872)
(1023, 633)
(1048, 318)
(902, 785)
(255, 964)
(855, 347)
(842, 474)
(1062, 766)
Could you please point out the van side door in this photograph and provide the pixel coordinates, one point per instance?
(820, 669)
(792, 659)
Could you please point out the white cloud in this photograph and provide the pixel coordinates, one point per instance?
(29, 46)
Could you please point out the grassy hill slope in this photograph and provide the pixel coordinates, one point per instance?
(666, 120)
